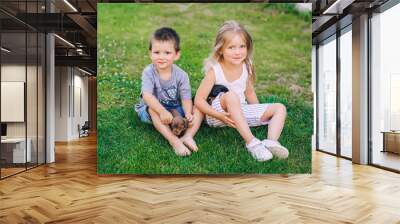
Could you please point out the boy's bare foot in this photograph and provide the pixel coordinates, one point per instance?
(189, 142)
(179, 148)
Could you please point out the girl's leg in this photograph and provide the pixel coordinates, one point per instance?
(230, 102)
(179, 148)
(276, 114)
(187, 138)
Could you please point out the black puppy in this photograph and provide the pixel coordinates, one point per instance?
(216, 89)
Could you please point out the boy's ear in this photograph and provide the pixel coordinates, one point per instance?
(178, 55)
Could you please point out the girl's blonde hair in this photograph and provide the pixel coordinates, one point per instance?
(222, 38)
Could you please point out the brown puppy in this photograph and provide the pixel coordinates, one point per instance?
(178, 124)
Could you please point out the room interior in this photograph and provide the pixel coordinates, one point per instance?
(27, 59)
(355, 176)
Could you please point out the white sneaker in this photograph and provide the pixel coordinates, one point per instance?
(276, 148)
(258, 150)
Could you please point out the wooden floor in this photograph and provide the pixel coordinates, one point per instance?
(10, 171)
(70, 191)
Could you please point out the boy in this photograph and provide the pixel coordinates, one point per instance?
(165, 87)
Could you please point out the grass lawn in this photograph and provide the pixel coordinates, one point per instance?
(282, 57)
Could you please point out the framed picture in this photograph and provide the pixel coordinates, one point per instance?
(263, 124)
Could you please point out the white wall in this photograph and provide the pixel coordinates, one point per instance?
(80, 83)
(62, 81)
(70, 83)
(13, 73)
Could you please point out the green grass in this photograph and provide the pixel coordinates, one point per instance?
(283, 64)
(290, 9)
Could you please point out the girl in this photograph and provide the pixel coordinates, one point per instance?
(230, 64)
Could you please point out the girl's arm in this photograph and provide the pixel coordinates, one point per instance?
(250, 93)
(201, 100)
(202, 93)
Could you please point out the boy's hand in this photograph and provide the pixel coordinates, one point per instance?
(189, 118)
(166, 117)
(224, 117)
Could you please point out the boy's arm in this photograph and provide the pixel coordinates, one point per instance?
(186, 96)
(188, 109)
(250, 93)
(153, 103)
(151, 100)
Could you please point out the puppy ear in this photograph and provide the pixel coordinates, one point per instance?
(173, 124)
(185, 123)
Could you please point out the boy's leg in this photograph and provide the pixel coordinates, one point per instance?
(187, 138)
(143, 114)
(276, 115)
(179, 148)
(230, 103)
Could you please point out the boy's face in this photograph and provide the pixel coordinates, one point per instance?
(163, 54)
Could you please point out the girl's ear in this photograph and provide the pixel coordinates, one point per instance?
(220, 55)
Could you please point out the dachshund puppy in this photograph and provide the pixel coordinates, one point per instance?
(178, 124)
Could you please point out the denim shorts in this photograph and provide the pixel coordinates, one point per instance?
(145, 117)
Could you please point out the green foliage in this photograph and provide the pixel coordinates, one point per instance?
(289, 8)
(283, 66)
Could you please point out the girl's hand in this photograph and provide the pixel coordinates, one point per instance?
(224, 117)
(166, 117)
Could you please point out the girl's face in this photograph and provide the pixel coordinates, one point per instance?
(235, 50)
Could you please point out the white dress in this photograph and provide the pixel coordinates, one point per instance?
(252, 112)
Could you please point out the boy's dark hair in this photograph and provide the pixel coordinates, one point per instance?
(166, 34)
